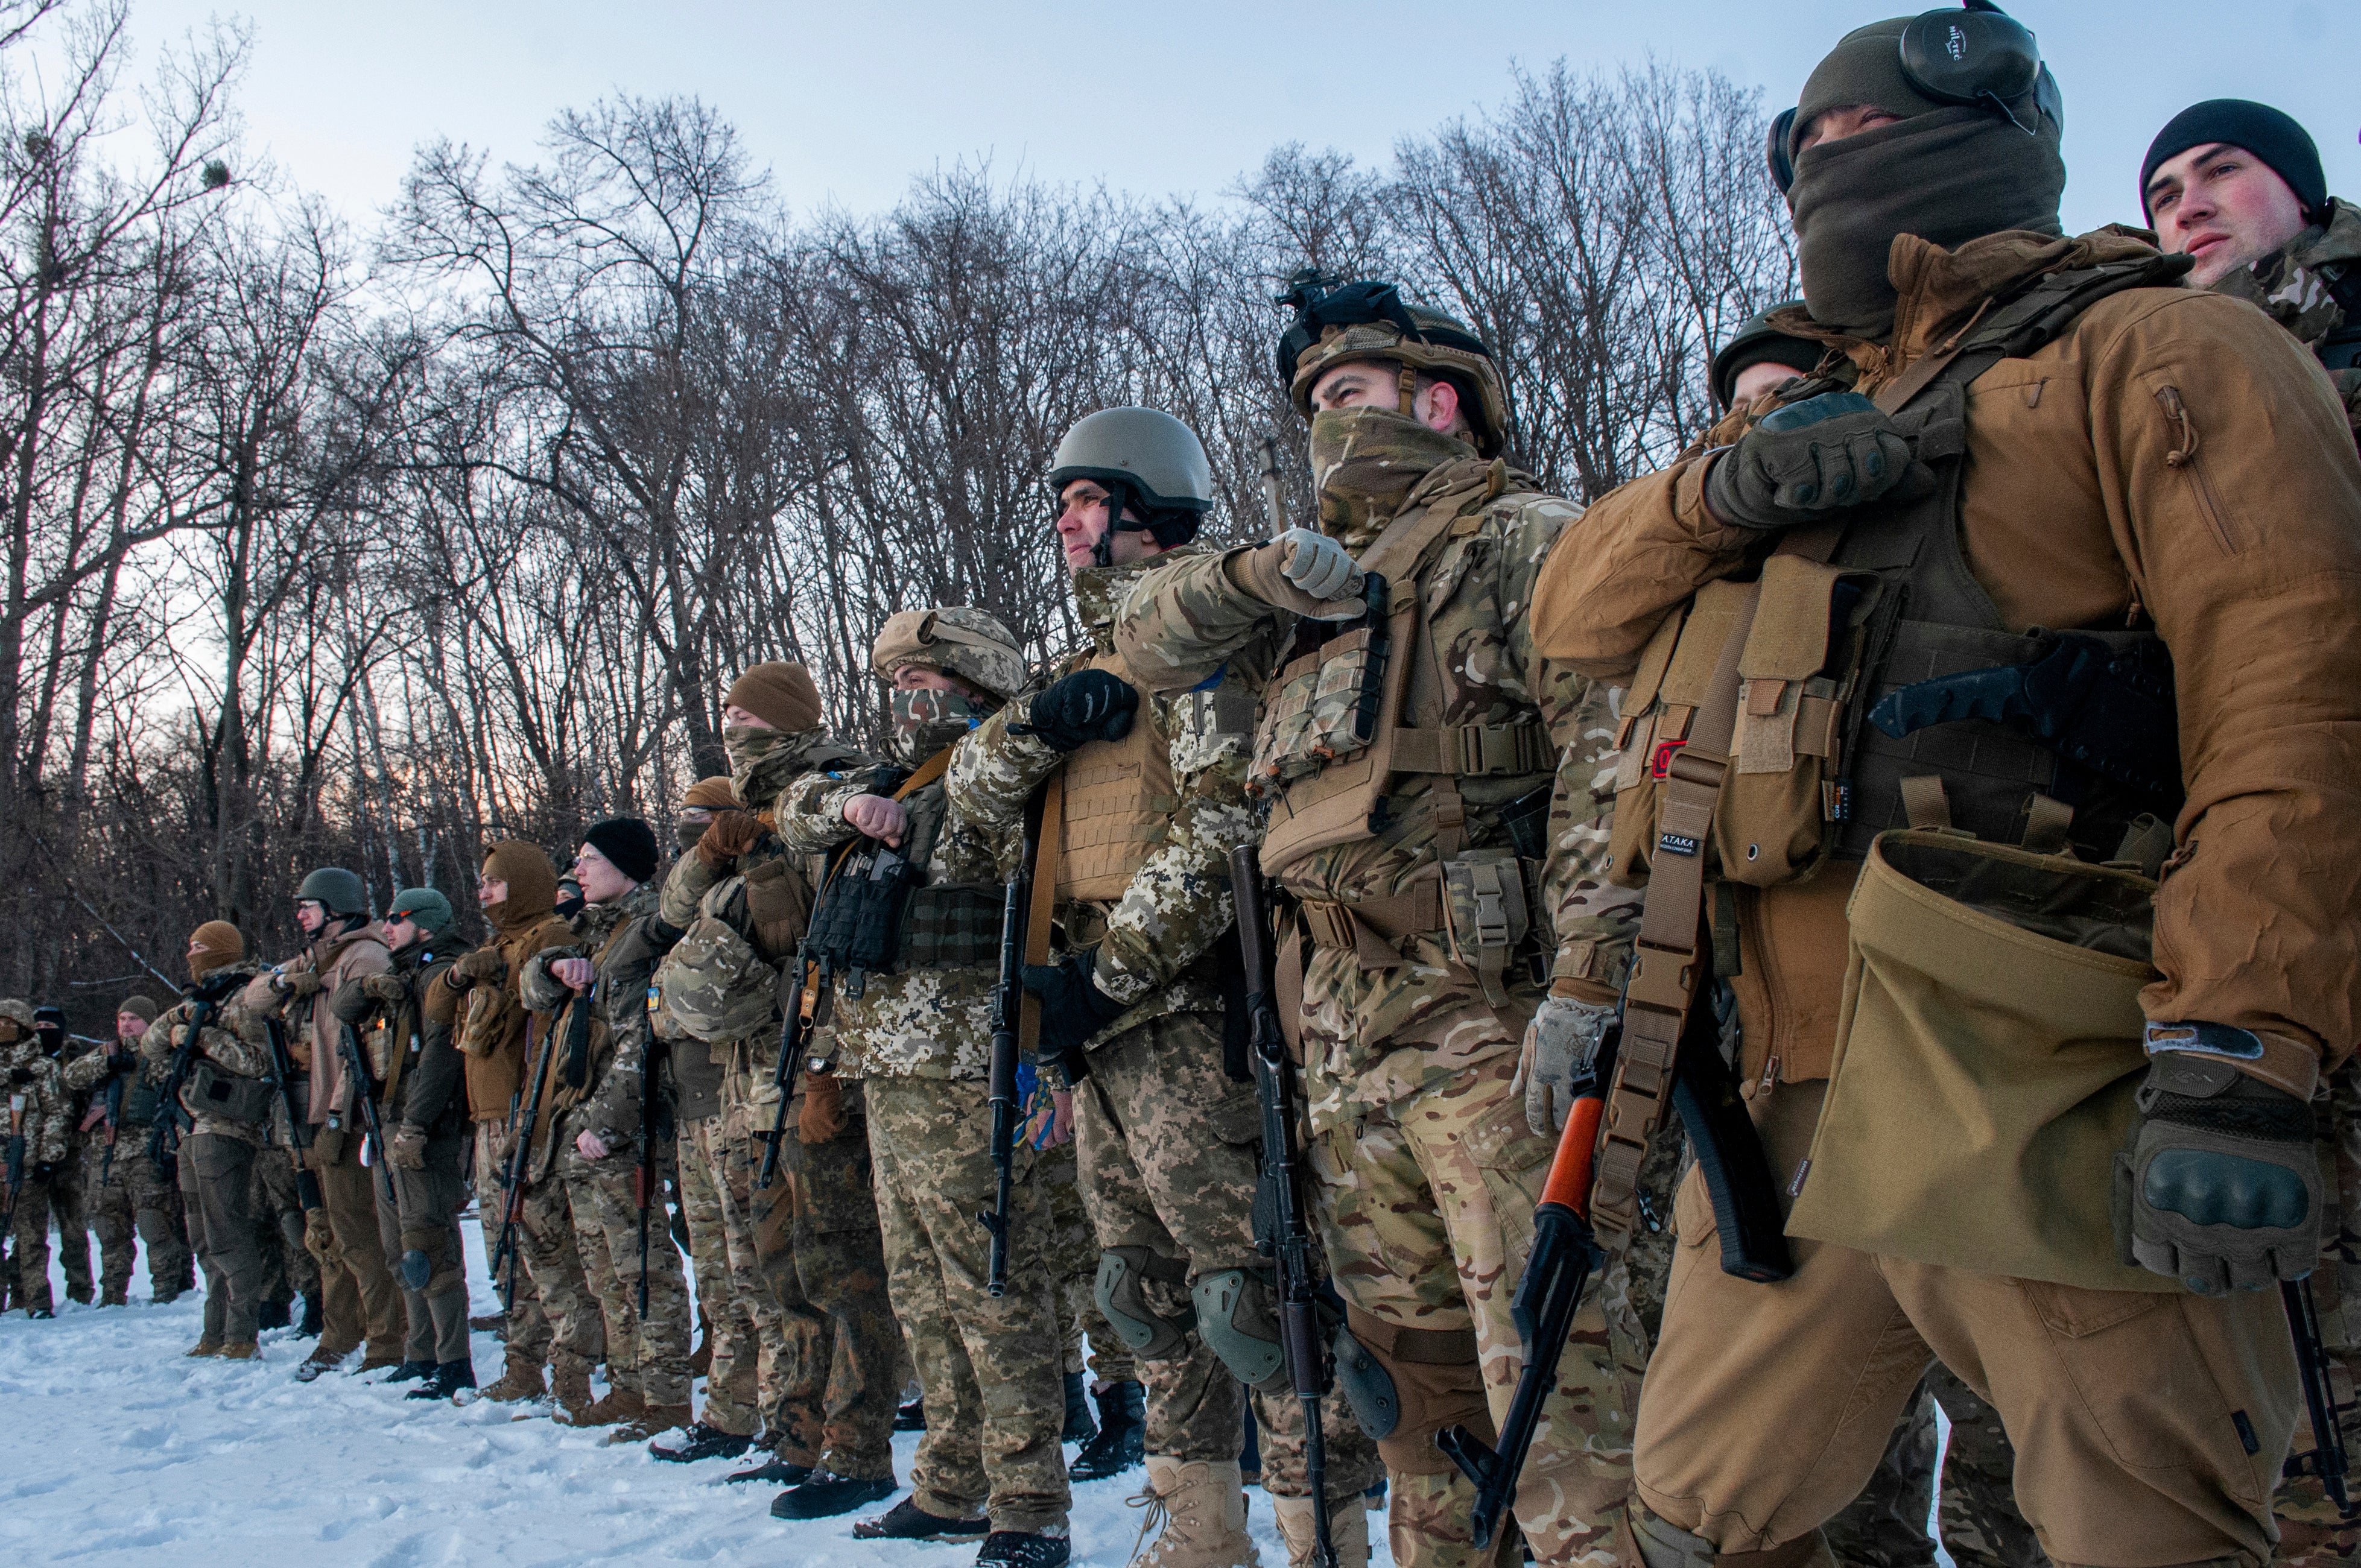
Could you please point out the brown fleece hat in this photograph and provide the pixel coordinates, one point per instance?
(213, 943)
(139, 1007)
(713, 793)
(532, 879)
(780, 694)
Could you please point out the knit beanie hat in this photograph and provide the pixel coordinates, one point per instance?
(629, 842)
(2285, 147)
(713, 793)
(779, 693)
(212, 945)
(427, 909)
(139, 1007)
(532, 879)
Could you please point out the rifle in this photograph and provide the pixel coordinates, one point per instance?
(164, 1138)
(1287, 1237)
(2327, 1459)
(1564, 1253)
(520, 1157)
(643, 1179)
(111, 1100)
(298, 1117)
(801, 1001)
(364, 1097)
(1007, 1010)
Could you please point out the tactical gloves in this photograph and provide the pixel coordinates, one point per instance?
(1302, 571)
(1073, 1008)
(405, 1145)
(383, 987)
(352, 1001)
(19, 1076)
(732, 834)
(822, 1115)
(1802, 463)
(297, 985)
(484, 963)
(1089, 705)
(1561, 1052)
(43, 1169)
(2220, 1188)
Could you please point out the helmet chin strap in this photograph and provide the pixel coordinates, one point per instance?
(1408, 384)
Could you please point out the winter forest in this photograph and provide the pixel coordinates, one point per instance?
(356, 541)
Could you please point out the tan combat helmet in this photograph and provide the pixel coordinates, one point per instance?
(1337, 324)
(1153, 465)
(958, 640)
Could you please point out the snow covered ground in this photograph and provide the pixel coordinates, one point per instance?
(113, 1449)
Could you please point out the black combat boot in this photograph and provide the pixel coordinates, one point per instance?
(911, 1417)
(444, 1379)
(410, 1372)
(1122, 1443)
(907, 1521)
(1022, 1549)
(309, 1326)
(827, 1494)
(1080, 1427)
(775, 1471)
(690, 1443)
(273, 1313)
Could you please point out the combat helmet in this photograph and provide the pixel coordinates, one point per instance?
(1150, 464)
(338, 891)
(958, 640)
(1758, 342)
(1338, 323)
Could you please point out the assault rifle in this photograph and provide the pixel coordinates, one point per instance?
(520, 1152)
(164, 1138)
(298, 1117)
(2327, 1459)
(364, 1088)
(643, 1179)
(803, 997)
(110, 1100)
(15, 1173)
(1558, 1269)
(1007, 1010)
(1283, 1229)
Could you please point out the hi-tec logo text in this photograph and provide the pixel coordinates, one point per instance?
(1959, 41)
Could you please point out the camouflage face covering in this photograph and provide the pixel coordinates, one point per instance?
(2286, 284)
(1364, 461)
(749, 749)
(927, 721)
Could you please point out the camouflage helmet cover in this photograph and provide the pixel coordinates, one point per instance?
(17, 1011)
(1365, 321)
(958, 640)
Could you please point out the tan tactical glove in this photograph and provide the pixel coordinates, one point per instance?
(484, 963)
(405, 1145)
(384, 987)
(1304, 572)
(297, 985)
(822, 1117)
(1560, 1058)
(732, 834)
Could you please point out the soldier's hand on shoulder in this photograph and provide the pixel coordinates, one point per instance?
(731, 835)
(484, 963)
(590, 1144)
(352, 1002)
(384, 987)
(19, 1076)
(1808, 461)
(878, 816)
(575, 974)
(1087, 706)
(298, 984)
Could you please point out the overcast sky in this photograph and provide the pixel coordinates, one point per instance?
(845, 102)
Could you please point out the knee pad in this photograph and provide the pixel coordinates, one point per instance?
(1367, 1388)
(417, 1268)
(1120, 1290)
(1437, 1383)
(1237, 1321)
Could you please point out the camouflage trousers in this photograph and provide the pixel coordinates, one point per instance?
(1427, 1205)
(130, 1207)
(29, 1247)
(423, 1218)
(288, 1269)
(524, 1327)
(360, 1303)
(748, 1385)
(1170, 1155)
(647, 1353)
(69, 1206)
(994, 1403)
(816, 1233)
(549, 1245)
(217, 1185)
(1074, 1261)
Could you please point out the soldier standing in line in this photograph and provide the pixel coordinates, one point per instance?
(68, 1198)
(37, 1114)
(130, 1202)
(912, 1023)
(404, 1019)
(554, 1329)
(1144, 798)
(1438, 800)
(610, 1123)
(1117, 1440)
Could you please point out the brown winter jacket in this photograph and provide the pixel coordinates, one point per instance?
(493, 1022)
(335, 960)
(2173, 458)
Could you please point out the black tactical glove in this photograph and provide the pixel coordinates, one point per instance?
(19, 1076)
(1801, 463)
(352, 1003)
(1072, 1006)
(2220, 1188)
(1089, 705)
(43, 1169)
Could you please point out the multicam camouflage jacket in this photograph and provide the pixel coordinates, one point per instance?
(236, 1039)
(36, 1103)
(1151, 940)
(2289, 286)
(1385, 1029)
(919, 1023)
(620, 940)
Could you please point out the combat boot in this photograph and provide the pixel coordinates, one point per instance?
(203, 1347)
(1024, 1549)
(317, 1365)
(650, 1420)
(444, 1379)
(1080, 1427)
(1348, 1531)
(116, 1296)
(1122, 1441)
(775, 1471)
(826, 1494)
(698, 1441)
(409, 1372)
(520, 1380)
(617, 1405)
(911, 1417)
(571, 1384)
(308, 1326)
(1201, 1508)
(239, 1350)
(274, 1313)
(907, 1521)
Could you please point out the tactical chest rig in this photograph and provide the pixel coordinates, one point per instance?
(1115, 806)
(1865, 682)
(1357, 711)
(879, 913)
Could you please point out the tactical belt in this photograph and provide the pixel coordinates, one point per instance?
(1474, 751)
(1373, 928)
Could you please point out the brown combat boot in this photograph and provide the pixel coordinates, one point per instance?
(239, 1350)
(1348, 1531)
(575, 1405)
(519, 1381)
(619, 1405)
(204, 1348)
(1202, 1507)
(652, 1419)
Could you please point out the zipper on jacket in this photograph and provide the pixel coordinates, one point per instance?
(2184, 459)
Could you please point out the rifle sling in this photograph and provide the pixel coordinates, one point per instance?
(1665, 970)
(1043, 903)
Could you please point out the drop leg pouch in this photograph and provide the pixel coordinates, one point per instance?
(1988, 1048)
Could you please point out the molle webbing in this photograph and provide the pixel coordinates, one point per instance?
(1119, 801)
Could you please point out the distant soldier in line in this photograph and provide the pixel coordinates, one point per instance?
(37, 1106)
(129, 1201)
(68, 1198)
